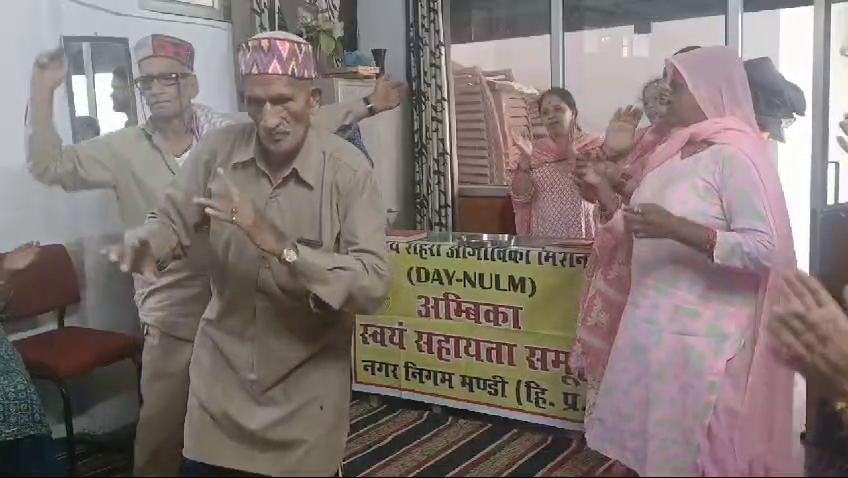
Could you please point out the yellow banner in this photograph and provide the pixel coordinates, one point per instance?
(484, 329)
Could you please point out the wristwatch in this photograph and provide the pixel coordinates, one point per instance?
(289, 255)
(369, 106)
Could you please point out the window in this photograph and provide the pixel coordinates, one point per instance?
(211, 9)
(611, 53)
(500, 62)
(785, 35)
(99, 93)
(837, 155)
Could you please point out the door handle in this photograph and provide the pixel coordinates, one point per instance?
(836, 177)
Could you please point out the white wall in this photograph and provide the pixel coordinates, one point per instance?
(30, 211)
(382, 24)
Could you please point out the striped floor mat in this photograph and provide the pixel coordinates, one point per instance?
(398, 438)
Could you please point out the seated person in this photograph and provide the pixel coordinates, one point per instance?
(26, 447)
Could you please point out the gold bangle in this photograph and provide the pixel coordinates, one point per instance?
(606, 214)
(710, 246)
(840, 406)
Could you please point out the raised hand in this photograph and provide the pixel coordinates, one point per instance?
(590, 169)
(133, 256)
(621, 132)
(387, 94)
(240, 211)
(522, 142)
(20, 258)
(585, 177)
(49, 70)
(810, 330)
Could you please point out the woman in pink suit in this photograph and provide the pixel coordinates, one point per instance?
(545, 199)
(691, 387)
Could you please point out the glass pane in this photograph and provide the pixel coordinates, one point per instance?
(80, 88)
(838, 155)
(785, 35)
(500, 53)
(112, 85)
(109, 113)
(613, 48)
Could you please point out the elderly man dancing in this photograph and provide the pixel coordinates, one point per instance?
(298, 246)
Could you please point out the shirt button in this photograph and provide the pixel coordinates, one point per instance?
(267, 264)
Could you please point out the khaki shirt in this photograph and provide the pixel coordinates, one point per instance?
(270, 374)
(134, 163)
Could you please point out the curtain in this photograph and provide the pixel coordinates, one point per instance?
(273, 15)
(270, 15)
(329, 10)
(286, 15)
(427, 76)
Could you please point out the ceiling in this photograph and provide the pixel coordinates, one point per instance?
(483, 20)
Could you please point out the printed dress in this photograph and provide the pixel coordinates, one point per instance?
(670, 399)
(21, 413)
(553, 208)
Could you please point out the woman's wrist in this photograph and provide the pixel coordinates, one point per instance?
(610, 155)
(694, 235)
(619, 184)
(521, 187)
(606, 197)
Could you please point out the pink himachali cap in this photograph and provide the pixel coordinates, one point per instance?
(167, 47)
(277, 53)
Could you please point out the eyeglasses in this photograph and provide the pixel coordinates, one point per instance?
(165, 79)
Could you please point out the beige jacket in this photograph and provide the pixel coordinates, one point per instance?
(134, 164)
(270, 373)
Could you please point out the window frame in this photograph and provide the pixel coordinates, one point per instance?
(216, 12)
(89, 77)
(735, 11)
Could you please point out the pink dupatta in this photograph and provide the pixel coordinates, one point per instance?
(716, 77)
(607, 275)
(545, 150)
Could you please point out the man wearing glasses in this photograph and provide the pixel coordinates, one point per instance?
(138, 163)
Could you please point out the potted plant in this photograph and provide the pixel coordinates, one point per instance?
(324, 34)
